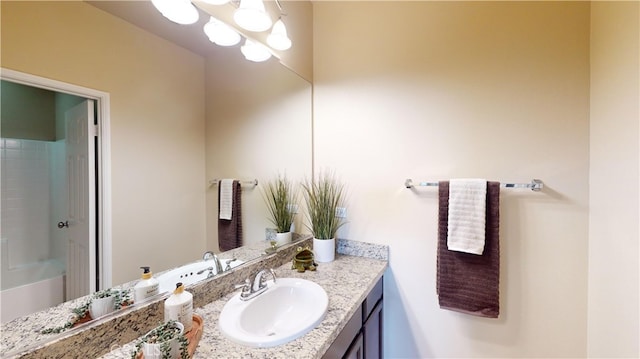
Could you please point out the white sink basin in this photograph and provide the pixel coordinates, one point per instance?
(289, 309)
(188, 273)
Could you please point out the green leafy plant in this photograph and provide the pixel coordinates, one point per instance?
(122, 298)
(323, 196)
(279, 194)
(163, 334)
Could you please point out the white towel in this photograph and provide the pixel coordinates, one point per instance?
(226, 198)
(467, 215)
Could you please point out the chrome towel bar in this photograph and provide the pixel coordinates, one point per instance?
(248, 183)
(535, 184)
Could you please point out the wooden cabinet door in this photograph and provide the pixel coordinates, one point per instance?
(372, 330)
(356, 350)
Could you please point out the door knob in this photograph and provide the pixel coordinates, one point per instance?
(63, 224)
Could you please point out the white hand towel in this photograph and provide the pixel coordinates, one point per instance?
(467, 215)
(226, 198)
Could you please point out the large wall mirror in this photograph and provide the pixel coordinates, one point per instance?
(181, 114)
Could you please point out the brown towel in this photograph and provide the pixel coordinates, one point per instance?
(467, 282)
(230, 231)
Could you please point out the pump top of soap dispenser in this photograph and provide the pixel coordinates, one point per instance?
(146, 272)
(179, 288)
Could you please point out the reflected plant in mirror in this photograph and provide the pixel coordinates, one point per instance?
(98, 304)
(281, 198)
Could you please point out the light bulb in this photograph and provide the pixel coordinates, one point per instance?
(179, 11)
(254, 51)
(220, 33)
(252, 16)
(278, 38)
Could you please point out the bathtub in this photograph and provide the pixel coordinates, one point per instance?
(30, 289)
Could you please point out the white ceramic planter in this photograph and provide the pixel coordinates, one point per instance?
(102, 306)
(154, 351)
(283, 238)
(324, 250)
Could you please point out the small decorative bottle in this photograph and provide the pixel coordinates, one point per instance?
(147, 287)
(179, 307)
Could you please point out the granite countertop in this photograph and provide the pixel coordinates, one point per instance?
(24, 332)
(18, 336)
(347, 281)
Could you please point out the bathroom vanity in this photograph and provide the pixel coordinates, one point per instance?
(353, 283)
(352, 325)
(349, 281)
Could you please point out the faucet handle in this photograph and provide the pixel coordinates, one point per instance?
(246, 288)
(210, 269)
(273, 274)
(228, 264)
(260, 281)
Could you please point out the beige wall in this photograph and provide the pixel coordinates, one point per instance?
(258, 125)
(614, 317)
(157, 121)
(439, 90)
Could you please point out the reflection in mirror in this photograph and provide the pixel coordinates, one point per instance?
(178, 118)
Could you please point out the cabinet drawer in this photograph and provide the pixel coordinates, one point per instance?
(372, 299)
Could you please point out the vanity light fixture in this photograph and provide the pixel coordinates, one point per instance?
(255, 51)
(278, 38)
(252, 16)
(216, 2)
(182, 12)
(249, 15)
(220, 33)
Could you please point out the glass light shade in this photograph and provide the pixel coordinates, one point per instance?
(179, 11)
(220, 33)
(216, 2)
(254, 51)
(278, 38)
(252, 16)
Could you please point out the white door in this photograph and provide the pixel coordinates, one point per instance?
(81, 191)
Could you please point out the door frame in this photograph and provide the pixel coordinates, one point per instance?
(103, 189)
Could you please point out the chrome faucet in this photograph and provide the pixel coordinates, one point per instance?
(209, 255)
(210, 269)
(258, 286)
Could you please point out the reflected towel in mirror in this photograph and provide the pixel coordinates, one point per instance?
(225, 191)
(230, 230)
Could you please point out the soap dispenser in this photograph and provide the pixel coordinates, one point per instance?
(179, 307)
(147, 287)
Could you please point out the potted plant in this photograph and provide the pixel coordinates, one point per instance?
(166, 341)
(280, 195)
(99, 303)
(106, 301)
(323, 197)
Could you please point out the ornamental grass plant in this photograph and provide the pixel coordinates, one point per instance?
(280, 195)
(323, 196)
